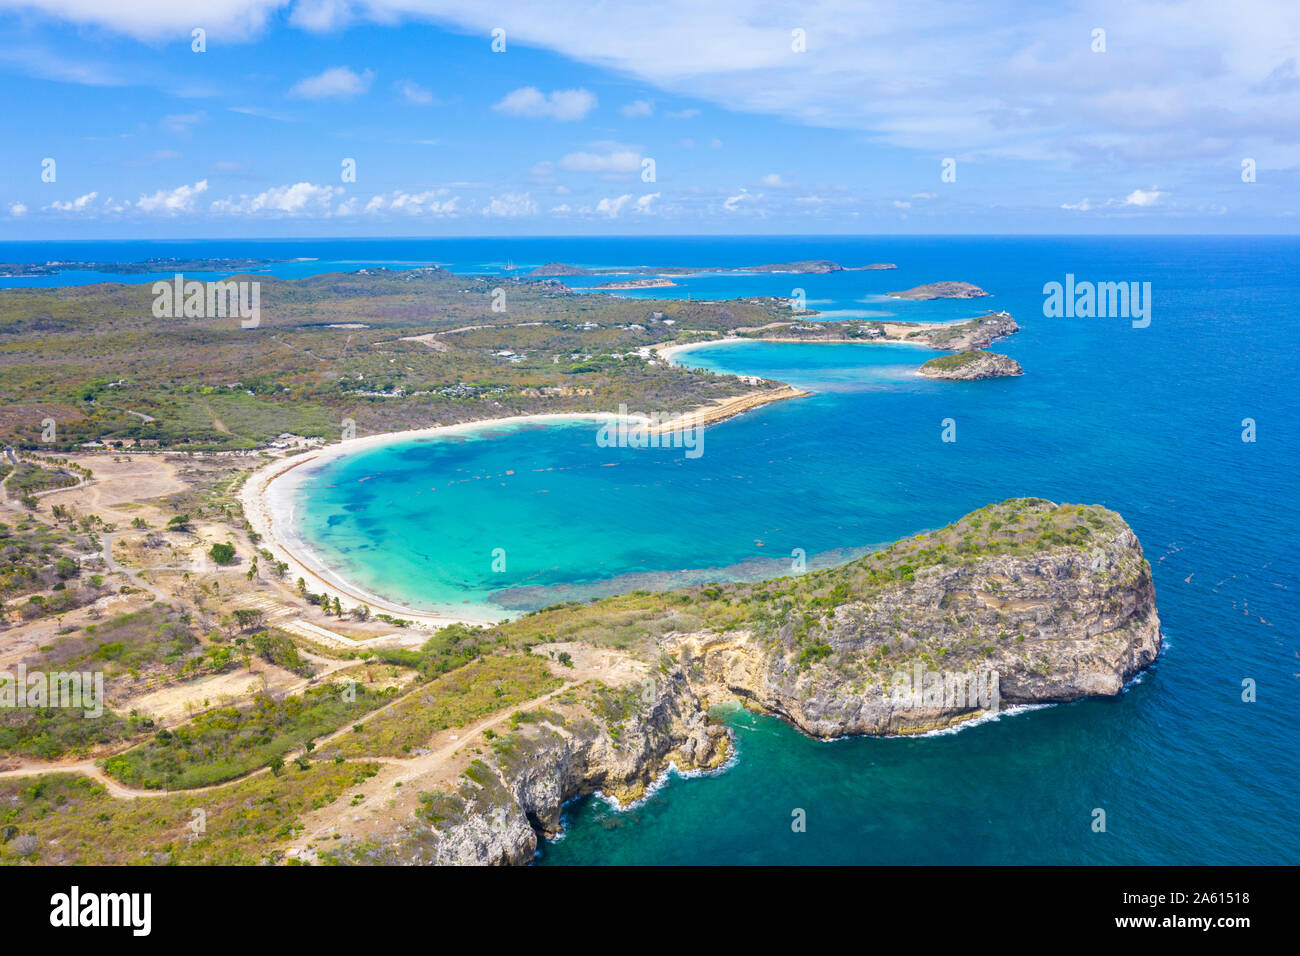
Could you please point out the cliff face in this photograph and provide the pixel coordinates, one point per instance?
(1022, 602)
(616, 741)
(1068, 622)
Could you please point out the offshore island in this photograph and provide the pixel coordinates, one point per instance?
(326, 725)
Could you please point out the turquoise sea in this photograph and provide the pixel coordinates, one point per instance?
(1147, 421)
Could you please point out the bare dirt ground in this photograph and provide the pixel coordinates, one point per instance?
(119, 487)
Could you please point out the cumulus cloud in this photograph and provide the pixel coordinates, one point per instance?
(532, 103)
(643, 204)
(1140, 198)
(511, 206)
(1143, 197)
(336, 83)
(300, 199)
(172, 202)
(607, 158)
(638, 109)
(613, 206)
(774, 180)
(79, 205)
(17, 210)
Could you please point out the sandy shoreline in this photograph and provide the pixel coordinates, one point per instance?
(267, 496)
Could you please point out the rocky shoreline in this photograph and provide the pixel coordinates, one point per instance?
(970, 366)
(1064, 613)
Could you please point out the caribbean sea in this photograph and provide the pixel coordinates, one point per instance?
(1147, 421)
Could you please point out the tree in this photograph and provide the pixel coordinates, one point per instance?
(179, 523)
(338, 608)
(249, 618)
(276, 764)
(222, 552)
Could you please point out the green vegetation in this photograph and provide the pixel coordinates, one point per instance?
(452, 700)
(90, 356)
(67, 818)
(222, 553)
(49, 733)
(229, 742)
(955, 361)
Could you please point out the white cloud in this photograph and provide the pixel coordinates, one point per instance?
(902, 204)
(1143, 197)
(643, 204)
(300, 199)
(612, 207)
(321, 16)
(683, 114)
(414, 93)
(925, 195)
(811, 200)
(511, 206)
(611, 159)
(638, 109)
(744, 196)
(17, 210)
(774, 180)
(337, 83)
(80, 204)
(171, 202)
(431, 202)
(532, 103)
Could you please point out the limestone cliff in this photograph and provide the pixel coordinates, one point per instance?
(1074, 617)
(1022, 602)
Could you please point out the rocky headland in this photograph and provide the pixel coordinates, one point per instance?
(1026, 602)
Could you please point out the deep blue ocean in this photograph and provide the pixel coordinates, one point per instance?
(1147, 421)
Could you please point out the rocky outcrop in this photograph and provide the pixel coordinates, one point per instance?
(942, 290)
(618, 741)
(1053, 624)
(976, 333)
(969, 366)
(1023, 602)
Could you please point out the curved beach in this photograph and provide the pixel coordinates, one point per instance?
(268, 495)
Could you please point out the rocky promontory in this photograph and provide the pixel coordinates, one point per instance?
(1026, 602)
(969, 366)
(1022, 602)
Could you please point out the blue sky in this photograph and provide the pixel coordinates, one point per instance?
(747, 132)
